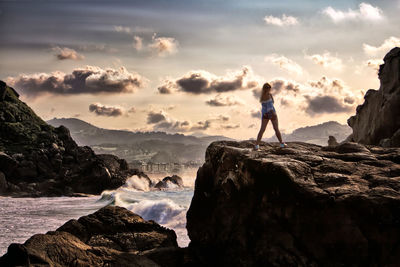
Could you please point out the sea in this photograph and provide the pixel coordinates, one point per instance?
(20, 218)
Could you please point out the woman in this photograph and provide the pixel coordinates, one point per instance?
(268, 113)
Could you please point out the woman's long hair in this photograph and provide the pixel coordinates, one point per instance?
(266, 87)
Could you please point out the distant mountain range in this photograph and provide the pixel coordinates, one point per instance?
(163, 147)
(317, 134)
(138, 146)
(87, 134)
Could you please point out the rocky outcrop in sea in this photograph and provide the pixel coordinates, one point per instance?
(303, 205)
(112, 236)
(37, 159)
(377, 120)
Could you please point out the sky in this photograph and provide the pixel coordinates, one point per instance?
(195, 67)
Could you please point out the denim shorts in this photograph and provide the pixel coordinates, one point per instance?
(270, 114)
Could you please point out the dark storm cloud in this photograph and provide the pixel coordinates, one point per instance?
(203, 82)
(101, 110)
(325, 104)
(88, 80)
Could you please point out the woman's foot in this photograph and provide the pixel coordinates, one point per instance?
(283, 145)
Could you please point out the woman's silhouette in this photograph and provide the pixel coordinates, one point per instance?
(268, 113)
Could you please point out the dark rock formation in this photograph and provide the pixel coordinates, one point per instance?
(332, 141)
(112, 236)
(40, 160)
(377, 119)
(174, 180)
(297, 206)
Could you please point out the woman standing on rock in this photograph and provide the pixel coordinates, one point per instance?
(268, 113)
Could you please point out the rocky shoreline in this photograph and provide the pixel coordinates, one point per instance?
(38, 160)
(303, 205)
(112, 236)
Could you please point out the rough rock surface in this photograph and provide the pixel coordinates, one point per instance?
(303, 205)
(377, 120)
(40, 160)
(168, 181)
(112, 236)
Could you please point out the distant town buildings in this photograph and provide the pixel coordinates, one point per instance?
(169, 167)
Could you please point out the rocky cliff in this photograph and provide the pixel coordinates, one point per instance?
(37, 159)
(112, 236)
(377, 120)
(304, 205)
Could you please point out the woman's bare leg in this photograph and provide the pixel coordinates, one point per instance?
(264, 123)
(276, 128)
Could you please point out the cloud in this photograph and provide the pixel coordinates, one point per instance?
(153, 117)
(279, 86)
(122, 29)
(326, 60)
(137, 42)
(203, 82)
(163, 122)
(108, 111)
(328, 85)
(284, 63)
(374, 63)
(283, 21)
(220, 101)
(96, 48)
(365, 12)
(255, 114)
(388, 44)
(67, 53)
(132, 110)
(325, 104)
(89, 80)
(230, 126)
(331, 96)
(163, 46)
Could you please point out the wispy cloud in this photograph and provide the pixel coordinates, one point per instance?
(283, 21)
(387, 44)
(222, 101)
(284, 63)
(123, 29)
(326, 60)
(88, 80)
(137, 42)
(365, 12)
(203, 82)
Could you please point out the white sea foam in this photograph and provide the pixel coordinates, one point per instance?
(137, 183)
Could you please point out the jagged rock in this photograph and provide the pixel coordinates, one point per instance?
(46, 161)
(377, 120)
(175, 180)
(297, 206)
(112, 236)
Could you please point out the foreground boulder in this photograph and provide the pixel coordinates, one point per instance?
(112, 236)
(377, 119)
(37, 159)
(297, 206)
